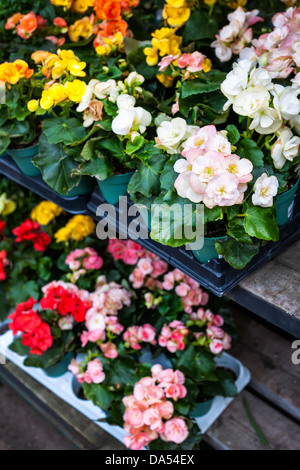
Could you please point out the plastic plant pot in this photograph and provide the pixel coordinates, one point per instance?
(3, 154)
(86, 186)
(114, 187)
(61, 367)
(208, 251)
(285, 205)
(23, 159)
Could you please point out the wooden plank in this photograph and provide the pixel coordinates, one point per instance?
(267, 354)
(233, 431)
(290, 257)
(75, 425)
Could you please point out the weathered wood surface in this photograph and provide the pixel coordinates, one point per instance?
(80, 430)
(273, 393)
(273, 291)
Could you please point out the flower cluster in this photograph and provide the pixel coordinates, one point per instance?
(12, 72)
(62, 63)
(176, 13)
(31, 231)
(77, 228)
(279, 50)
(171, 133)
(149, 268)
(135, 335)
(191, 64)
(172, 336)
(82, 260)
(92, 374)
(209, 172)
(77, 6)
(45, 212)
(271, 108)
(186, 288)
(81, 29)
(149, 412)
(235, 36)
(126, 250)
(164, 42)
(25, 25)
(66, 300)
(102, 318)
(214, 337)
(36, 334)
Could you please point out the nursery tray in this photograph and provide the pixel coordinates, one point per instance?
(73, 205)
(216, 275)
(63, 387)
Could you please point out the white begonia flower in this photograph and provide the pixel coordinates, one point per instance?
(161, 117)
(184, 190)
(222, 51)
(285, 148)
(286, 101)
(249, 54)
(103, 90)
(143, 119)
(296, 81)
(170, 135)
(86, 99)
(66, 323)
(125, 102)
(260, 76)
(236, 81)
(95, 321)
(251, 100)
(123, 122)
(265, 188)
(266, 121)
(220, 144)
(134, 79)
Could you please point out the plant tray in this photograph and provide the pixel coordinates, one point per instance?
(216, 275)
(73, 205)
(63, 387)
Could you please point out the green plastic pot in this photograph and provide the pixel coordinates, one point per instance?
(202, 408)
(114, 187)
(3, 154)
(285, 205)
(23, 159)
(208, 251)
(61, 367)
(86, 186)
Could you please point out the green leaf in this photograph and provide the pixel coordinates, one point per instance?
(99, 167)
(237, 254)
(196, 364)
(4, 144)
(261, 223)
(62, 130)
(113, 145)
(233, 134)
(14, 129)
(146, 179)
(207, 83)
(200, 26)
(17, 347)
(3, 115)
(211, 215)
(18, 291)
(44, 268)
(168, 175)
(49, 358)
(98, 394)
(249, 149)
(56, 166)
(137, 144)
(236, 230)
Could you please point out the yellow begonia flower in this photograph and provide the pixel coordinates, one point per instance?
(81, 6)
(9, 73)
(39, 56)
(166, 80)
(104, 50)
(47, 99)
(176, 3)
(62, 3)
(176, 16)
(81, 29)
(33, 105)
(151, 55)
(44, 212)
(75, 90)
(237, 3)
(76, 68)
(78, 228)
(7, 206)
(207, 65)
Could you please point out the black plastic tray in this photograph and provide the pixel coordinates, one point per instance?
(73, 205)
(216, 275)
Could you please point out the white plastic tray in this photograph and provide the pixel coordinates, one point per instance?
(65, 388)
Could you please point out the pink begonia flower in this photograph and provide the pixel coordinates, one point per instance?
(218, 320)
(159, 268)
(175, 431)
(145, 265)
(175, 107)
(166, 376)
(175, 391)
(147, 334)
(166, 61)
(93, 262)
(182, 289)
(156, 369)
(109, 350)
(56, 41)
(91, 336)
(95, 372)
(134, 417)
(222, 190)
(165, 409)
(153, 419)
(137, 442)
(74, 367)
(137, 278)
(195, 61)
(216, 346)
(182, 62)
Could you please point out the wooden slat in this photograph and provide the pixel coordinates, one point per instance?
(290, 257)
(73, 424)
(233, 430)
